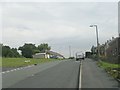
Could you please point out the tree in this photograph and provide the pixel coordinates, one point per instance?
(1, 49)
(8, 52)
(43, 47)
(28, 50)
(15, 53)
(93, 50)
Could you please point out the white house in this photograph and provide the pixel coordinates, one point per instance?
(48, 54)
(41, 55)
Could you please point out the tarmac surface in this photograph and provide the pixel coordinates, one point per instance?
(58, 74)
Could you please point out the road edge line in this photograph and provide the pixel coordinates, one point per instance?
(16, 69)
(80, 76)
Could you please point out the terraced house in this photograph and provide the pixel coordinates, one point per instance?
(110, 51)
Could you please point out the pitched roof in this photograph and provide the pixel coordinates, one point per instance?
(54, 53)
(50, 52)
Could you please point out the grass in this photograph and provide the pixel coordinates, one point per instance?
(108, 65)
(112, 69)
(20, 62)
(0, 61)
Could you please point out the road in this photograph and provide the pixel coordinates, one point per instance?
(61, 74)
(96, 77)
(58, 74)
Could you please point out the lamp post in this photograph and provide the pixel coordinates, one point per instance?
(98, 52)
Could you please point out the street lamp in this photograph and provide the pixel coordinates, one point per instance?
(97, 39)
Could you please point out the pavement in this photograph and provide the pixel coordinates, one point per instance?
(96, 77)
(58, 74)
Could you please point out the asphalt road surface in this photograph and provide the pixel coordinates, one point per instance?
(61, 74)
(58, 74)
(96, 77)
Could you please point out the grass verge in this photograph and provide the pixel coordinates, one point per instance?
(20, 62)
(112, 69)
(108, 65)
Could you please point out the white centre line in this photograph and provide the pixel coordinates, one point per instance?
(7, 71)
(12, 70)
(18, 69)
(3, 72)
(80, 77)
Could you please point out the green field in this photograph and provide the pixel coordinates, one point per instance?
(19, 62)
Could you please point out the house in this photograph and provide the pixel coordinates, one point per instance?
(41, 55)
(54, 54)
(48, 54)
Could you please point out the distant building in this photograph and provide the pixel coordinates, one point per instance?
(41, 55)
(54, 54)
(48, 54)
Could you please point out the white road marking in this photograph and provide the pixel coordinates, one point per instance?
(16, 69)
(12, 70)
(32, 75)
(3, 72)
(21, 68)
(7, 71)
(80, 77)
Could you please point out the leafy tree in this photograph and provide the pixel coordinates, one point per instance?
(43, 47)
(8, 52)
(15, 53)
(28, 50)
(1, 49)
(93, 50)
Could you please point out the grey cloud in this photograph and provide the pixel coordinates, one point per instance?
(60, 24)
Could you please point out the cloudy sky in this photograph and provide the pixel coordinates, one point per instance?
(60, 24)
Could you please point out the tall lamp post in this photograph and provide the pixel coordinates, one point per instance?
(98, 52)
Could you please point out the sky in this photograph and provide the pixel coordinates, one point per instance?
(60, 24)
